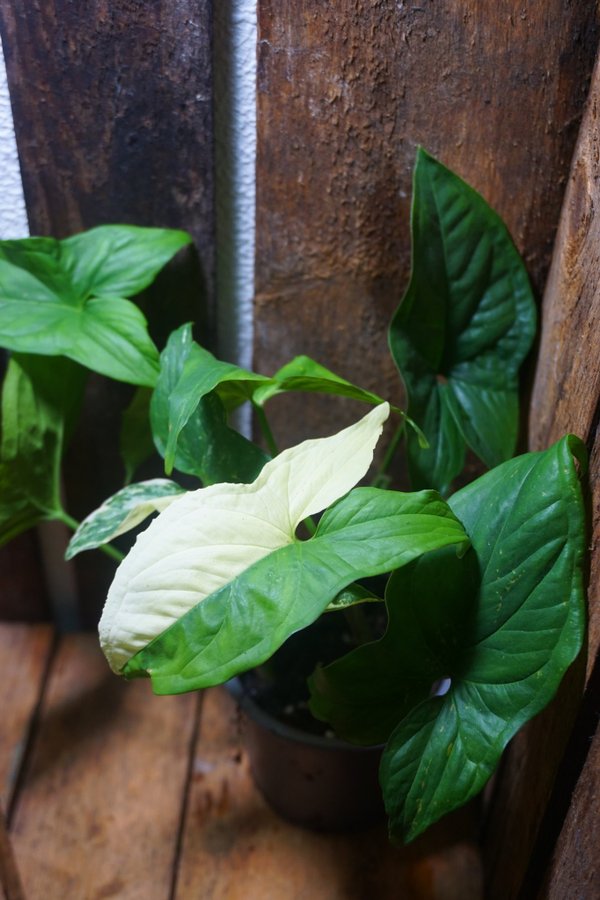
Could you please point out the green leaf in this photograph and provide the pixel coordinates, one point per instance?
(119, 260)
(122, 512)
(504, 638)
(366, 693)
(40, 400)
(108, 335)
(304, 374)
(242, 624)
(464, 327)
(65, 298)
(188, 418)
(135, 440)
(211, 535)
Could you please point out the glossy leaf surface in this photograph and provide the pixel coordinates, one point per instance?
(503, 624)
(242, 624)
(188, 418)
(68, 298)
(209, 536)
(304, 374)
(465, 325)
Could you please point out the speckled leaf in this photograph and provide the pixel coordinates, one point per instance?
(122, 512)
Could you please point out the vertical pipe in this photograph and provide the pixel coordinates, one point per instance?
(235, 38)
(13, 215)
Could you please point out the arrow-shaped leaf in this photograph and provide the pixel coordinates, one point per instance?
(503, 624)
(465, 325)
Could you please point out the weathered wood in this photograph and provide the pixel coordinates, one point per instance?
(98, 813)
(575, 867)
(113, 120)
(23, 596)
(345, 93)
(113, 114)
(24, 655)
(530, 795)
(235, 847)
(10, 881)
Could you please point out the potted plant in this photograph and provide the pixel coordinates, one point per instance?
(483, 590)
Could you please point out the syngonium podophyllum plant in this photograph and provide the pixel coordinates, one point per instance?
(484, 585)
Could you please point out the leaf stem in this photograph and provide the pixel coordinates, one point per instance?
(380, 479)
(266, 429)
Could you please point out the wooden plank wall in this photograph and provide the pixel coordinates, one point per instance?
(345, 93)
(497, 93)
(113, 119)
(534, 808)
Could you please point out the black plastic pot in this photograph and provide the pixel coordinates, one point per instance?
(317, 782)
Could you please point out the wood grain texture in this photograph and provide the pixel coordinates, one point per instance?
(575, 868)
(345, 94)
(113, 120)
(10, 880)
(99, 811)
(24, 654)
(236, 848)
(23, 595)
(113, 114)
(543, 762)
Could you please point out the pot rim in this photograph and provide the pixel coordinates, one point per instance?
(236, 689)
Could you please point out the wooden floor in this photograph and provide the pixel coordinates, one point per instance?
(111, 792)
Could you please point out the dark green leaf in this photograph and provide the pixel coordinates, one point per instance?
(463, 328)
(135, 440)
(366, 693)
(188, 417)
(189, 373)
(240, 626)
(509, 651)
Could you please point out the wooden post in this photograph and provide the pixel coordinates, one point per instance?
(113, 120)
(345, 93)
(545, 760)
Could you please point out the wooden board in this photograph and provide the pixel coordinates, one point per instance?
(98, 814)
(575, 868)
(24, 655)
(345, 93)
(236, 848)
(113, 121)
(544, 760)
(23, 596)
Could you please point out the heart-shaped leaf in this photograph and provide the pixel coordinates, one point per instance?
(65, 298)
(465, 325)
(504, 623)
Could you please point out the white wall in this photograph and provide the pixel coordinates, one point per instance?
(13, 217)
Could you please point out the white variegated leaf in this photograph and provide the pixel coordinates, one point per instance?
(209, 536)
(122, 512)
